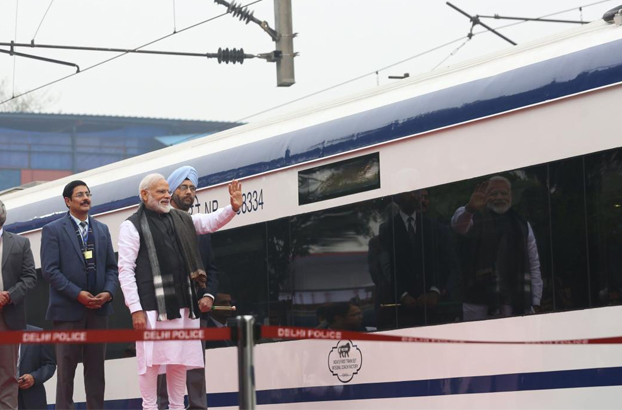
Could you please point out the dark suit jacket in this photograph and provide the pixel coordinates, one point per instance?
(420, 265)
(18, 276)
(38, 361)
(207, 256)
(63, 266)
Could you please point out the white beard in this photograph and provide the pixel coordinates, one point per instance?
(500, 210)
(161, 207)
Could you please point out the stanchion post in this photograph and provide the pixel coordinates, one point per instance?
(246, 367)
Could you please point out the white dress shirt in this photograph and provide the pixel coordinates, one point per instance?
(78, 222)
(405, 219)
(149, 353)
(129, 245)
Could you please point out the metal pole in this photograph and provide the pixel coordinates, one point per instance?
(285, 43)
(246, 367)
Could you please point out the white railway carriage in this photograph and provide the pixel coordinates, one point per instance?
(320, 185)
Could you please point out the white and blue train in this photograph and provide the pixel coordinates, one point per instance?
(320, 183)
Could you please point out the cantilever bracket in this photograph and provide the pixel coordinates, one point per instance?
(12, 52)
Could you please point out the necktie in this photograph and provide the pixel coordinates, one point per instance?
(19, 361)
(411, 228)
(84, 233)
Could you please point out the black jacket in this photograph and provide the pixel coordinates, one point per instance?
(38, 361)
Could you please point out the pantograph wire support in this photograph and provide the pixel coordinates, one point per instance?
(498, 17)
(246, 15)
(12, 52)
(224, 55)
(476, 21)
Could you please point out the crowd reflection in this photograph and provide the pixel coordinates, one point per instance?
(543, 238)
(536, 239)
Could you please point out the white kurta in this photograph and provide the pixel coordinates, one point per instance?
(187, 353)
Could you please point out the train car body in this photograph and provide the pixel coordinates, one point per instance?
(539, 111)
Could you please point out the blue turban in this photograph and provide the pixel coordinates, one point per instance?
(180, 175)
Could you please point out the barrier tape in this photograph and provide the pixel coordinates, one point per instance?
(112, 335)
(267, 332)
(300, 333)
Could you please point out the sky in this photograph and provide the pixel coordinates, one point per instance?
(338, 41)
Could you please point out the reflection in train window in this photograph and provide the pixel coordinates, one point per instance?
(339, 179)
(329, 264)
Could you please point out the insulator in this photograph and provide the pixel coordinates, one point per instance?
(231, 56)
(240, 12)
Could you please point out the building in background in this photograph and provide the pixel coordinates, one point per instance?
(45, 147)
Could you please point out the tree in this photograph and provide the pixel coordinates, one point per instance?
(26, 103)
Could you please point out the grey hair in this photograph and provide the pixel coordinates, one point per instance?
(2, 214)
(502, 179)
(148, 182)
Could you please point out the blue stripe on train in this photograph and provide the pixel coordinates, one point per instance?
(562, 379)
(544, 81)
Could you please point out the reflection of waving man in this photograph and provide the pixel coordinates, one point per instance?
(502, 269)
(158, 262)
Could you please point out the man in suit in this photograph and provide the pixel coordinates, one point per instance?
(36, 366)
(183, 183)
(17, 276)
(219, 318)
(423, 258)
(78, 261)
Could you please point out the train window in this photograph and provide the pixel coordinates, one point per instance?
(603, 190)
(339, 179)
(568, 232)
(328, 267)
(240, 256)
(501, 228)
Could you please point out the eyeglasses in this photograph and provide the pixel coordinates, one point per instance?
(184, 188)
(81, 195)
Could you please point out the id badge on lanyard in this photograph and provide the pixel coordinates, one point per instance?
(87, 254)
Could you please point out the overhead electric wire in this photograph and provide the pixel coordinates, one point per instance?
(308, 95)
(304, 97)
(41, 22)
(15, 36)
(452, 53)
(174, 18)
(121, 55)
(351, 80)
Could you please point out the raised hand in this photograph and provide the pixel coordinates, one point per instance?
(478, 198)
(235, 191)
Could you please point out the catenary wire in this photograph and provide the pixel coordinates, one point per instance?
(174, 18)
(352, 79)
(15, 36)
(375, 72)
(41, 22)
(452, 53)
(118, 56)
